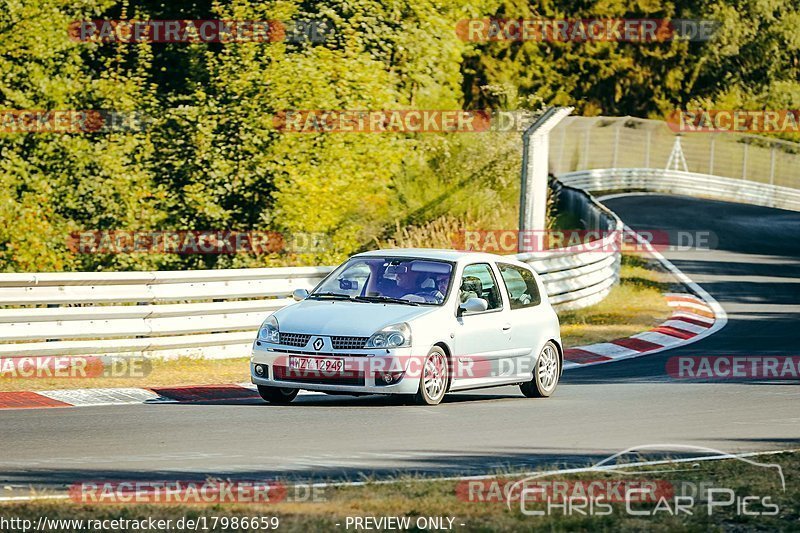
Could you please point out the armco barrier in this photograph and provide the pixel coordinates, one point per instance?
(685, 183)
(198, 313)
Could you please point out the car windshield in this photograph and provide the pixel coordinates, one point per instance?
(389, 279)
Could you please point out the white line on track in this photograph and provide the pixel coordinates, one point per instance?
(720, 316)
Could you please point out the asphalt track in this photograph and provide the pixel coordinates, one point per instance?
(754, 273)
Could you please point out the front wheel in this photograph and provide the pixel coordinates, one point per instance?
(545, 374)
(277, 395)
(433, 381)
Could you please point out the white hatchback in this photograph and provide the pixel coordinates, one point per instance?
(418, 322)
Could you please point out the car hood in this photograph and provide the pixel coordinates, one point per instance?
(336, 317)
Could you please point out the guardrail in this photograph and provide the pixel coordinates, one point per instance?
(196, 313)
(577, 278)
(685, 183)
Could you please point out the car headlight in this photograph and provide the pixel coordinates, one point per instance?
(392, 336)
(269, 331)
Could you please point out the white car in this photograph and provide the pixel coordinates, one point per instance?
(418, 322)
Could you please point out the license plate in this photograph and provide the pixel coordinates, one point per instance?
(316, 363)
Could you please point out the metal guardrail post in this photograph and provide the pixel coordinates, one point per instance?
(744, 162)
(535, 157)
(772, 165)
(711, 155)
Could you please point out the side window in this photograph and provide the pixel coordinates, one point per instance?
(521, 286)
(477, 281)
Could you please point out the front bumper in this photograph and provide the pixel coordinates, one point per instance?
(362, 369)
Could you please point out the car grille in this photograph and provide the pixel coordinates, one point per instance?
(348, 343)
(297, 340)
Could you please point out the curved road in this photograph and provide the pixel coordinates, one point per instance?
(754, 274)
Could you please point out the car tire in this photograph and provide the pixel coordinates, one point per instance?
(545, 374)
(433, 378)
(277, 395)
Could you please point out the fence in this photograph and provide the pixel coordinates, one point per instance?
(582, 143)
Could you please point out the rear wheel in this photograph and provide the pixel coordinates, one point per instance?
(433, 378)
(545, 374)
(277, 395)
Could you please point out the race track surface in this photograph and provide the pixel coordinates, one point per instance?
(754, 274)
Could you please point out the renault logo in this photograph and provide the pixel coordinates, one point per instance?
(318, 344)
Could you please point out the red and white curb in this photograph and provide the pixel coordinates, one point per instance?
(695, 317)
(692, 319)
(126, 396)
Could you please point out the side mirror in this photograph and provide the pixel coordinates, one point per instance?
(299, 294)
(473, 305)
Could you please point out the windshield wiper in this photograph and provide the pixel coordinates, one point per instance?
(388, 299)
(335, 295)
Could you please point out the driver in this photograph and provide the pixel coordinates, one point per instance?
(411, 286)
(442, 282)
(407, 282)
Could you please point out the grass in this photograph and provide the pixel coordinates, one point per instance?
(635, 305)
(410, 497)
(162, 373)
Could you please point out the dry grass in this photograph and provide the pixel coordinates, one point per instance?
(635, 305)
(443, 232)
(175, 372)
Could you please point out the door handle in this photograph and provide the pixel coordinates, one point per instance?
(506, 327)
